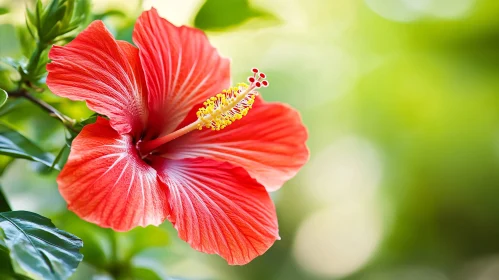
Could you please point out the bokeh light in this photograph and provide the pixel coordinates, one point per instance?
(485, 268)
(338, 241)
(409, 273)
(411, 10)
(350, 168)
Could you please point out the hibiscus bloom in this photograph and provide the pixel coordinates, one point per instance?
(178, 143)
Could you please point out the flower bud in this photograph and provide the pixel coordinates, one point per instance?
(50, 20)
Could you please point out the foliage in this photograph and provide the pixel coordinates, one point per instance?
(422, 92)
(221, 14)
(48, 23)
(30, 245)
(13, 144)
(37, 248)
(3, 97)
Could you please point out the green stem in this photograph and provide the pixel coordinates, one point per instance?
(66, 121)
(116, 268)
(114, 246)
(35, 58)
(31, 70)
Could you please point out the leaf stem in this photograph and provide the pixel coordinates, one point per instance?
(66, 121)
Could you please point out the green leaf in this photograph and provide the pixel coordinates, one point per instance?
(7, 77)
(79, 126)
(109, 13)
(150, 269)
(153, 263)
(13, 144)
(4, 203)
(5, 161)
(138, 239)
(82, 13)
(10, 106)
(147, 273)
(4, 10)
(222, 14)
(3, 97)
(6, 270)
(153, 273)
(37, 248)
(90, 120)
(97, 248)
(60, 155)
(26, 40)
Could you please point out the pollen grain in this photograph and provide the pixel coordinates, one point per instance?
(231, 104)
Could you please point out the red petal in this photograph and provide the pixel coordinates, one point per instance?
(218, 208)
(181, 67)
(104, 72)
(269, 143)
(105, 182)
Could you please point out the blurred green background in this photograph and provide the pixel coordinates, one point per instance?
(401, 100)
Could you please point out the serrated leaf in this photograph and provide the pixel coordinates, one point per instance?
(222, 14)
(3, 97)
(37, 248)
(14, 144)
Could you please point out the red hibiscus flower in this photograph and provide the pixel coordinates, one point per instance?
(177, 146)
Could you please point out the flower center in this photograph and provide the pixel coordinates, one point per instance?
(218, 112)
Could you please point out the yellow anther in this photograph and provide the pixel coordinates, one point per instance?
(226, 107)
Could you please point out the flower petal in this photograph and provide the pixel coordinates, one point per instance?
(181, 68)
(104, 72)
(269, 143)
(105, 182)
(218, 208)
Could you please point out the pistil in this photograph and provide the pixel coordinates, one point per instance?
(218, 112)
